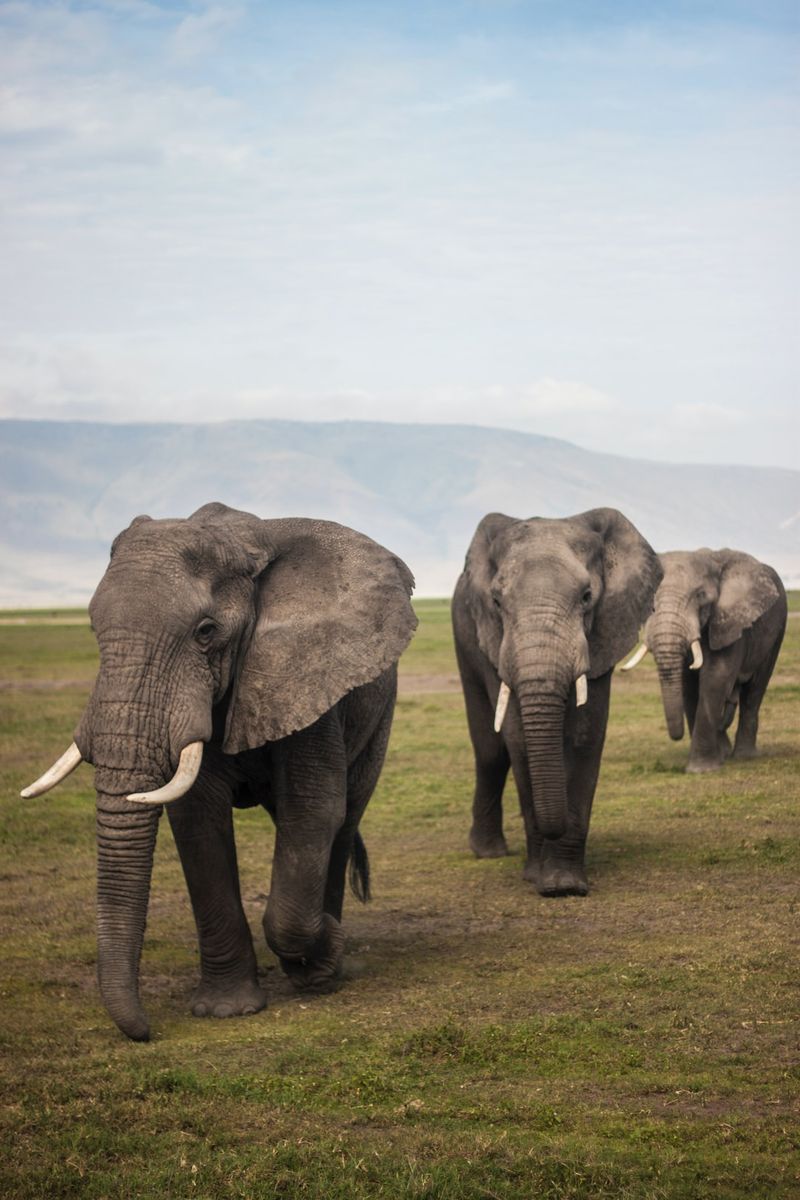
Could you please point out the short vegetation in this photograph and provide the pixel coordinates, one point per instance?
(487, 1043)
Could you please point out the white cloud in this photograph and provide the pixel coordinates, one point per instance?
(199, 33)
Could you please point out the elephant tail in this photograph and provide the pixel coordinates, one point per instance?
(359, 869)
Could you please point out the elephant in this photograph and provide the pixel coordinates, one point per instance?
(715, 633)
(242, 662)
(541, 613)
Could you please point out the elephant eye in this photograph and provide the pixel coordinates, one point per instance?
(586, 598)
(204, 633)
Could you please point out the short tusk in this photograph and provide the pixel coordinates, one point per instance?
(60, 769)
(503, 697)
(697, 656)
(182, 780)
(635, 658)
(581, 691)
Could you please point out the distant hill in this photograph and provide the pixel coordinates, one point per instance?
(66, 489)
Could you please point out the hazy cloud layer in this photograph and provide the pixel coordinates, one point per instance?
(581, 225)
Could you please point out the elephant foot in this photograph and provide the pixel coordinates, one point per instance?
(557, 879)
(316, 978)
(700, 766)
(745, 752)
(487, 845)
(232, 1000)
(320, 970)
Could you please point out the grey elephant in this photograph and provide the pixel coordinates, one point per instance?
(242, 661)
(541, 613)
(715, 633)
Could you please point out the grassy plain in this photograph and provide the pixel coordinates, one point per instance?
(488, 1043)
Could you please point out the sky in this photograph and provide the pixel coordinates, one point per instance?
(571, 218)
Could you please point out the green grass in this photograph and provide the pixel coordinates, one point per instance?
(640, 1043)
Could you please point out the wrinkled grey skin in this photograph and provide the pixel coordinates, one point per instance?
(735, 606)
(541, 602)
(275, 643)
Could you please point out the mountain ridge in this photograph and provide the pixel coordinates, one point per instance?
(69, 486)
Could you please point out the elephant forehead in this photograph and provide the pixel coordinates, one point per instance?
(154, 571)
(562, 541)
(177, 548)
(140, 595)
(686, 569)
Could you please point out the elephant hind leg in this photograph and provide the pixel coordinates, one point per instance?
(751, 695)
(348, 845)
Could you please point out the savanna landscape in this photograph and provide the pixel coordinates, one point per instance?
(486, 1042)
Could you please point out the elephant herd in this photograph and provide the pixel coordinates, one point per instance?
(247, 661)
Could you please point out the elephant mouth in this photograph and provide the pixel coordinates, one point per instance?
(186, 773)
(504, 695)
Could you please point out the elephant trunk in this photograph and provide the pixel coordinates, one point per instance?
(543, 727)
(126, 838)
(670, 676)
(133, 731)
(670, 632)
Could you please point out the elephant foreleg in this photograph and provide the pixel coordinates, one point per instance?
(310, 789)
(691, 688)
(492, 763)
(202, 824)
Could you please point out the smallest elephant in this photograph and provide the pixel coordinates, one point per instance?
(715, 633)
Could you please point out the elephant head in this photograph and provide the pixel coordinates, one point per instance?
(555, 601)
(225, 627)
(707, 598)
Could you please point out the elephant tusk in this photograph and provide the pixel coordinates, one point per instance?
(581, 691)
(182, 780)
(697, 656)
(502, 704)
(60, 769)
(635, 658)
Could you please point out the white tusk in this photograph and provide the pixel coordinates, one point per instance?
(182, 780)
(60, 769)
(697, 656)
(502, 704)
(635, 658)
(581, 691)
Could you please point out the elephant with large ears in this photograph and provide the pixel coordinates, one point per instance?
(715, 633)
(541, 613)
(242, 661)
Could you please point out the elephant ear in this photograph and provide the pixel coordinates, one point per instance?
(479, 571)
(631, 574)
(747, 589)
(333, 611)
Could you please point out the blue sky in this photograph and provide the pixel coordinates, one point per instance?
(577, 219)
